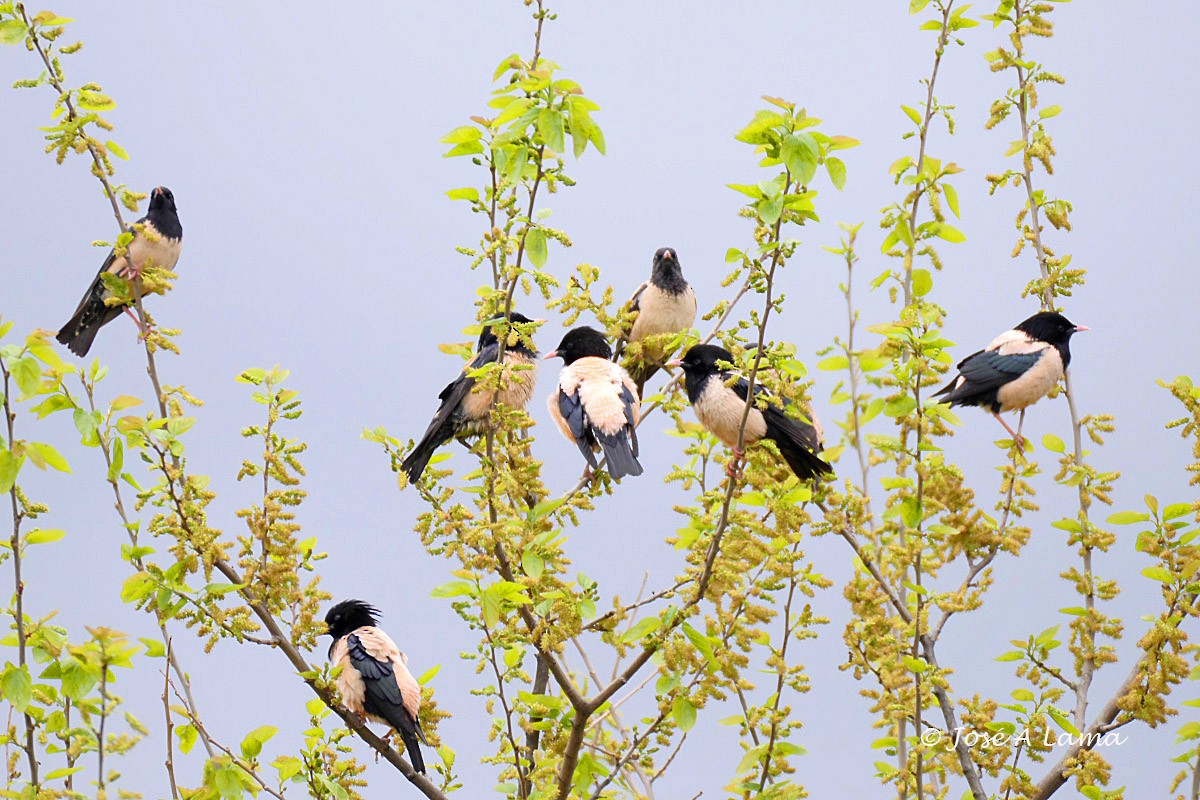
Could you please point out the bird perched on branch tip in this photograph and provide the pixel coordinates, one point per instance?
(157, 241)
(1016, 370)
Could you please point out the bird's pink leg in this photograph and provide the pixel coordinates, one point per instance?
(734, 468)
(1017, 438)
(136, 321)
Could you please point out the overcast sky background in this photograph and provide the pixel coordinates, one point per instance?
(302, 147)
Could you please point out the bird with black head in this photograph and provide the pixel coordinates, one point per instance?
(1017, 369)
(374, 681)
(664, 306)
(596, 405)
(157, 241)
(718, 396)
(465, 406)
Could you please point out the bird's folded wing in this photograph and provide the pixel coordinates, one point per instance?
(570, 406)
(990, 369)
(798, 429)
(377, 659)
(631, 404)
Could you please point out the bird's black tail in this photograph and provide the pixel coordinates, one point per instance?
(418, 459)
(81, 329)
(790, 439)
(412, 737)
(621, 453)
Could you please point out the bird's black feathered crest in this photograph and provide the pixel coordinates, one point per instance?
(1048, 326)
(583, 342)
(350, 615)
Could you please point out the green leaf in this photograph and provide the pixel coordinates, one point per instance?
(535, 246)
(950, 233)
(116, 150)
(915, 6)
(1053, 443)
(44, 536)
(10, 467)
(228, 783)
(912, 113)
(837, 172)
(533, 564)
(799, 153)
(922, 282)
(951, 198)
(1022, 695)
(187, 737)
(462, 135)
(17, 687)
(466, 193)
(910, 512)
(550, 128)
(1011, 655)
(643, 628)
(287, 767)
(28, 375)
(1061, 720)
(1128, 517)
(684, 713)
(12, 31)
(253, 743)
(1050, 111)
(61, 773)
(1160, 574)
(49, 456)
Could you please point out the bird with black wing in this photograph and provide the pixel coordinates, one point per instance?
(465, 406)
(157, 241)
(596, 405)
(719, 401)
(374, 681)
(664, 305)
(1016, 370)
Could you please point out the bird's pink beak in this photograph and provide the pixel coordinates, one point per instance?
(550, 355)
(675, 362)
(667, 255)
(1079, 328)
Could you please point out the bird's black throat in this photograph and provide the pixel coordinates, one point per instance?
(668, 276)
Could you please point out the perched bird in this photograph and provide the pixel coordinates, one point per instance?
(719, 406)
(465, 408)
(665, 305)
(157, 240)
(1017, 369)
(596, 405)
(375, 682)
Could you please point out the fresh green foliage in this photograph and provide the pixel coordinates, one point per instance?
(732, 625)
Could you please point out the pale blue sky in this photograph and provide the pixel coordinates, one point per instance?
(302, 149)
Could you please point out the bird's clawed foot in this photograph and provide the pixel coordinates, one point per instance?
(1018, 439)
(735, 466)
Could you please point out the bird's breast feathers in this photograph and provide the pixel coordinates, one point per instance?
(149, 248)
(598, 383)
(515, 392)
(1033, 384)
(719, 409)
(663, 312)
